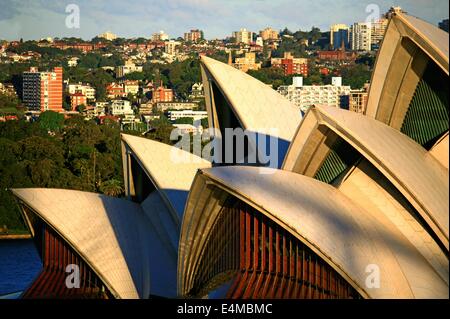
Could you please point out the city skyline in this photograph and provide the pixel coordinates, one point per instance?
(32, 20)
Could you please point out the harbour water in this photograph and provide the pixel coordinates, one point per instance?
(19, 265)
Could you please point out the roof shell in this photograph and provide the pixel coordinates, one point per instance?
(416, 173)
(108, 233)
(398, 66)
(257, 106)
(342, 233)
(171, 169)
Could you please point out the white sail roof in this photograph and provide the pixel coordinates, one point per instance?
(110, 234)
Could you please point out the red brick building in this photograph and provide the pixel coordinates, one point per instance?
(115, 90)
(338, 55)
(77, 99)
(291, 65)
(83, 47)
(162, 94)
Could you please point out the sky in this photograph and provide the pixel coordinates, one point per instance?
(35, 19)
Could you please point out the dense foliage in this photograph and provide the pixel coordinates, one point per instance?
(356, 75)
(78, 155)
(272, 76)
(8, 103)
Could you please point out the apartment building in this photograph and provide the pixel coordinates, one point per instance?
(120, 107)
(162, 94)
(193, 35)
(361, 36)
(77, 99)
(269, 34)
(243, 36)
(378, 28)
(305, 96)
(358, 99)
(248, 62)
(129, 67)
(108, 35)
(43, 90)
(171, 47)
(291, 65)
(160, 36)
(339, 36)
(85, 89)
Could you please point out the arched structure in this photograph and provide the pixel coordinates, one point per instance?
(150, 165)
(107, 234)
(330, 142)
(383, 175)
(236, 100)
(126, 248)
(408, 89)
(280, 213)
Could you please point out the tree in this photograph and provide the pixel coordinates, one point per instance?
(182, 75)
(81, 108)
(112, 187)
(366, 59)
(18, 130)
(119, 41)
(89, 61)
(51, 121)
(356, 75)
(135, 76)
(113, 60)
(299, 35)
(285, 31)
(162, 129)
(273, 75)
(98, 40)
(66, 101)
(221, 56)
(290, 45)
(8, 101)
(204, 122)
(99, 78)
(315, 34)
(184, 120)
(139, 40)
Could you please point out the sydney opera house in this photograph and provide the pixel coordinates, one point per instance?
(357, 207)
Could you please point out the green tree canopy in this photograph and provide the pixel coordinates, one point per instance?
(355, 75)
(112, 187)
(273, 76)
(8, 101)
(51, 121)
(135, 76)
(184, 120)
